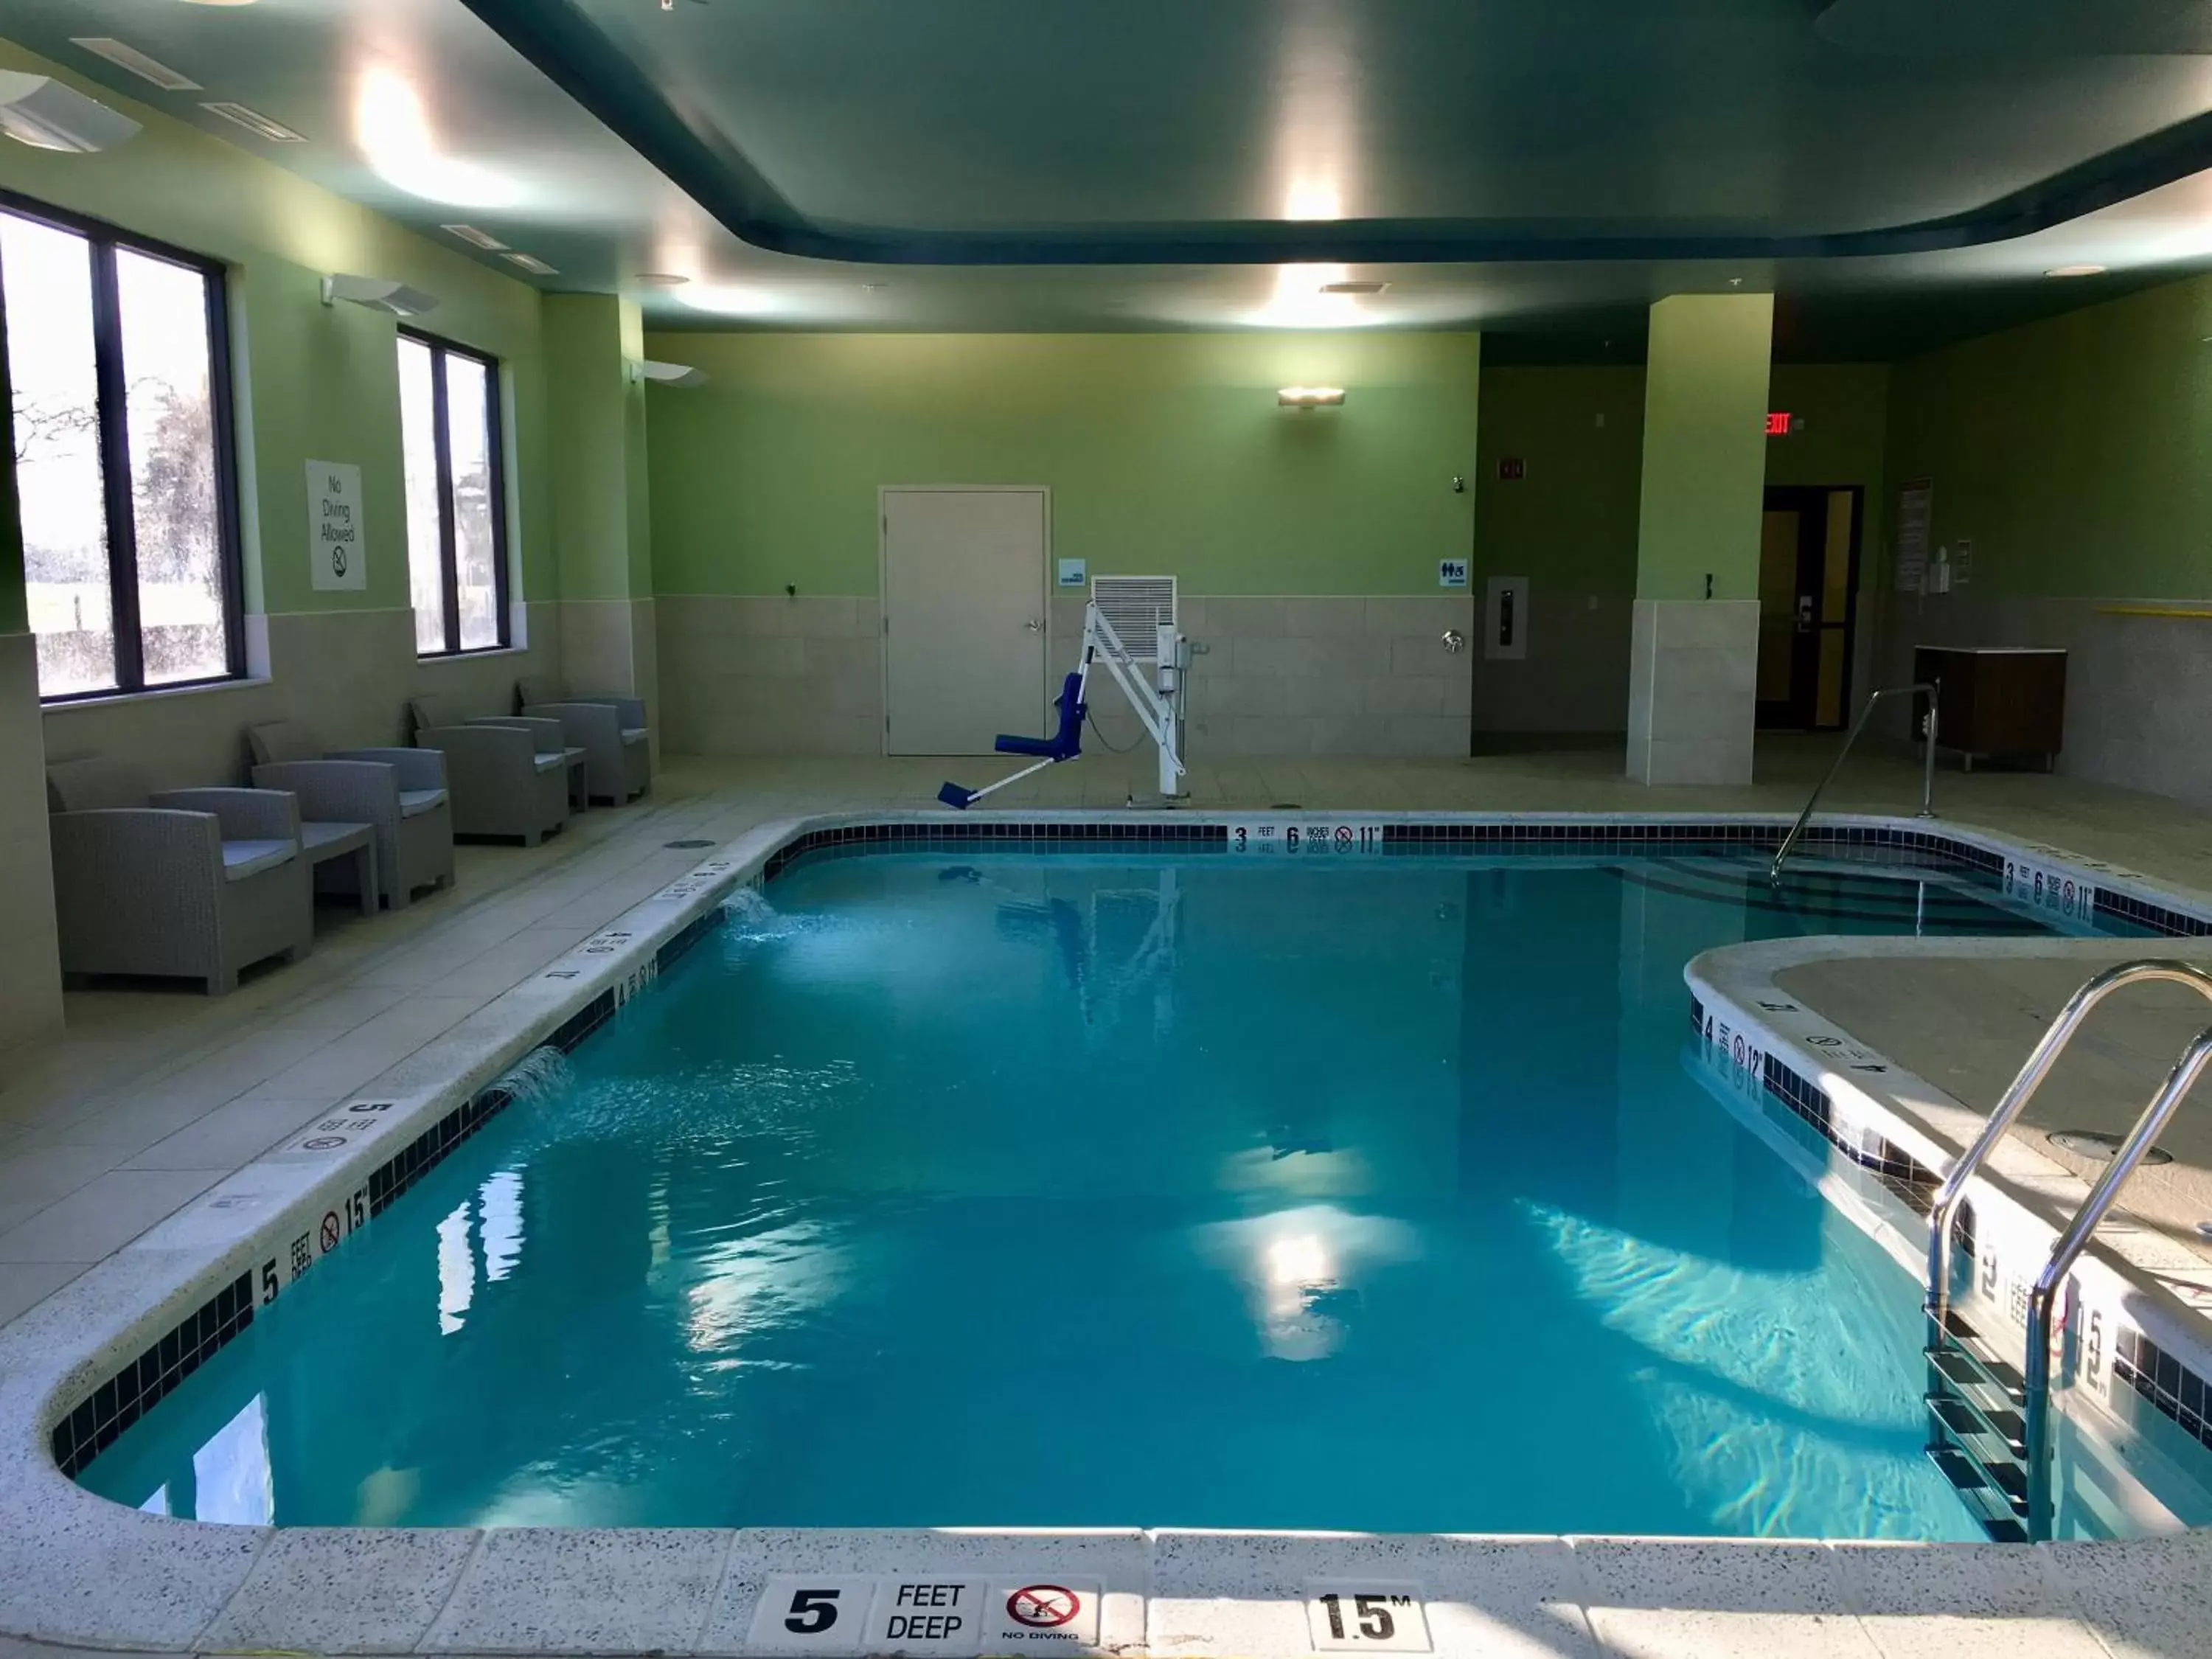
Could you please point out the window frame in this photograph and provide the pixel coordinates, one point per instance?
(448, 550)
(105, 238)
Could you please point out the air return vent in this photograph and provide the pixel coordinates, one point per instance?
(129, 57)
(531, 263)
(475, 237)
(1361, 287)
(1136, 606)
(255, 123)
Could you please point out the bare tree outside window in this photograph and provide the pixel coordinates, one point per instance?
(113, 357)
(456, 533)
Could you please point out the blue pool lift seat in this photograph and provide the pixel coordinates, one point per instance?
(1064, 745)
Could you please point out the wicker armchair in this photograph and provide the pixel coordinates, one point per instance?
(193, 883)
(611, 731)
(401, 792)
(499, 781)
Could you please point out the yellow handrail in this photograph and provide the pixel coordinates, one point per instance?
(2192, 615)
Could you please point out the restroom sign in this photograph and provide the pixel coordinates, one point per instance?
(1451, 572)
(337, 552)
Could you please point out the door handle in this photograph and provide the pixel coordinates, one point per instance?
(1034, 626)
(1804, 613)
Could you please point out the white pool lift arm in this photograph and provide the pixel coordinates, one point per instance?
(1154, 701)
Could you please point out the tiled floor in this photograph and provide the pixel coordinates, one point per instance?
(154, 1094)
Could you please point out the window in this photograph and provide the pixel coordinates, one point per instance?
(456, 497)
(118, 364)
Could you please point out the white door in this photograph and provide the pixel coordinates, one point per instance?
(964, 615)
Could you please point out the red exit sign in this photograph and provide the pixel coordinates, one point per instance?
(1780, 423)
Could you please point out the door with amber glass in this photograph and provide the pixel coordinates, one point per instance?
(1808, 576)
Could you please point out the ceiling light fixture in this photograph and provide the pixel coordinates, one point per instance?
(255, 122)
(2075, 271)
(667, 373)
(136, 62)
(378, 293)
(1312, 296)
(475, 237)
(1310, 396)
(531, 263)
(394, 134)
(727, 300)
(40, 111)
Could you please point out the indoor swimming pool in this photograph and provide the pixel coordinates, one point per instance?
(1097, 1186)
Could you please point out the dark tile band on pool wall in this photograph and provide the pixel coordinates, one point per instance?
(120, 1400)
(131, 1392)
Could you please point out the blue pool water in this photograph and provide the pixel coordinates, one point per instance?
(961, 1189)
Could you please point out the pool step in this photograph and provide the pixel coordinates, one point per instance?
(1976, 1433)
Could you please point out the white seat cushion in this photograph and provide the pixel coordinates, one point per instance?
(413, 803)
(241, 858)
(634, 734)
(552, 762)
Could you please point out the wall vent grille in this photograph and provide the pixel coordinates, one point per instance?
(1136, 606)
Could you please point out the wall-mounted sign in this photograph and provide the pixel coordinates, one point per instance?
(1074, 573)
(1916, 510)
(1780, 423)
(1511, 467)
(1451, 572)
(338, 553)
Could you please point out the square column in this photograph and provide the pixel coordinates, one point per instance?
(1694, 667)
(602, 526)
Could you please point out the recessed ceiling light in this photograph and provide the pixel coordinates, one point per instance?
(2075, 271)
(531, 263)
(660, 279)
(129, 57)
(255, 123)
(475, 237)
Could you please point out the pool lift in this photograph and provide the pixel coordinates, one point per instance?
(1157, 700)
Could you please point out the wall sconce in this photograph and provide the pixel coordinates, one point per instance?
(378, 293)
(665, 374)
(1310, 396)
(41, 112)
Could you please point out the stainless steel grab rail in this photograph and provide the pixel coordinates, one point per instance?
(2036, 1372)
(1926, 775)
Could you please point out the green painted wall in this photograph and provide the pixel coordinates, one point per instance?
(1163, 453)
(2076, 452)
(314, 382)
(595, 420)
(1572, 518)
(1705, 446)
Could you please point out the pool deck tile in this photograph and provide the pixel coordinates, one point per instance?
(1965, 1601)
(1244, 1594)
(1720, 1599)
(354, 1589)
(142, 1581)
(541, 1590)
(2146, 1598)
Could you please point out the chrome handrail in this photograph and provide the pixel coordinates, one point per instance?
(2036, 1372)
(1926, 775)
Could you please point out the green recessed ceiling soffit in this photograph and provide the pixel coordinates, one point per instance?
(1863, 56)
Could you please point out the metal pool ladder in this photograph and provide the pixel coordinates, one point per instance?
(1988, 1424)
(1927, 775)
